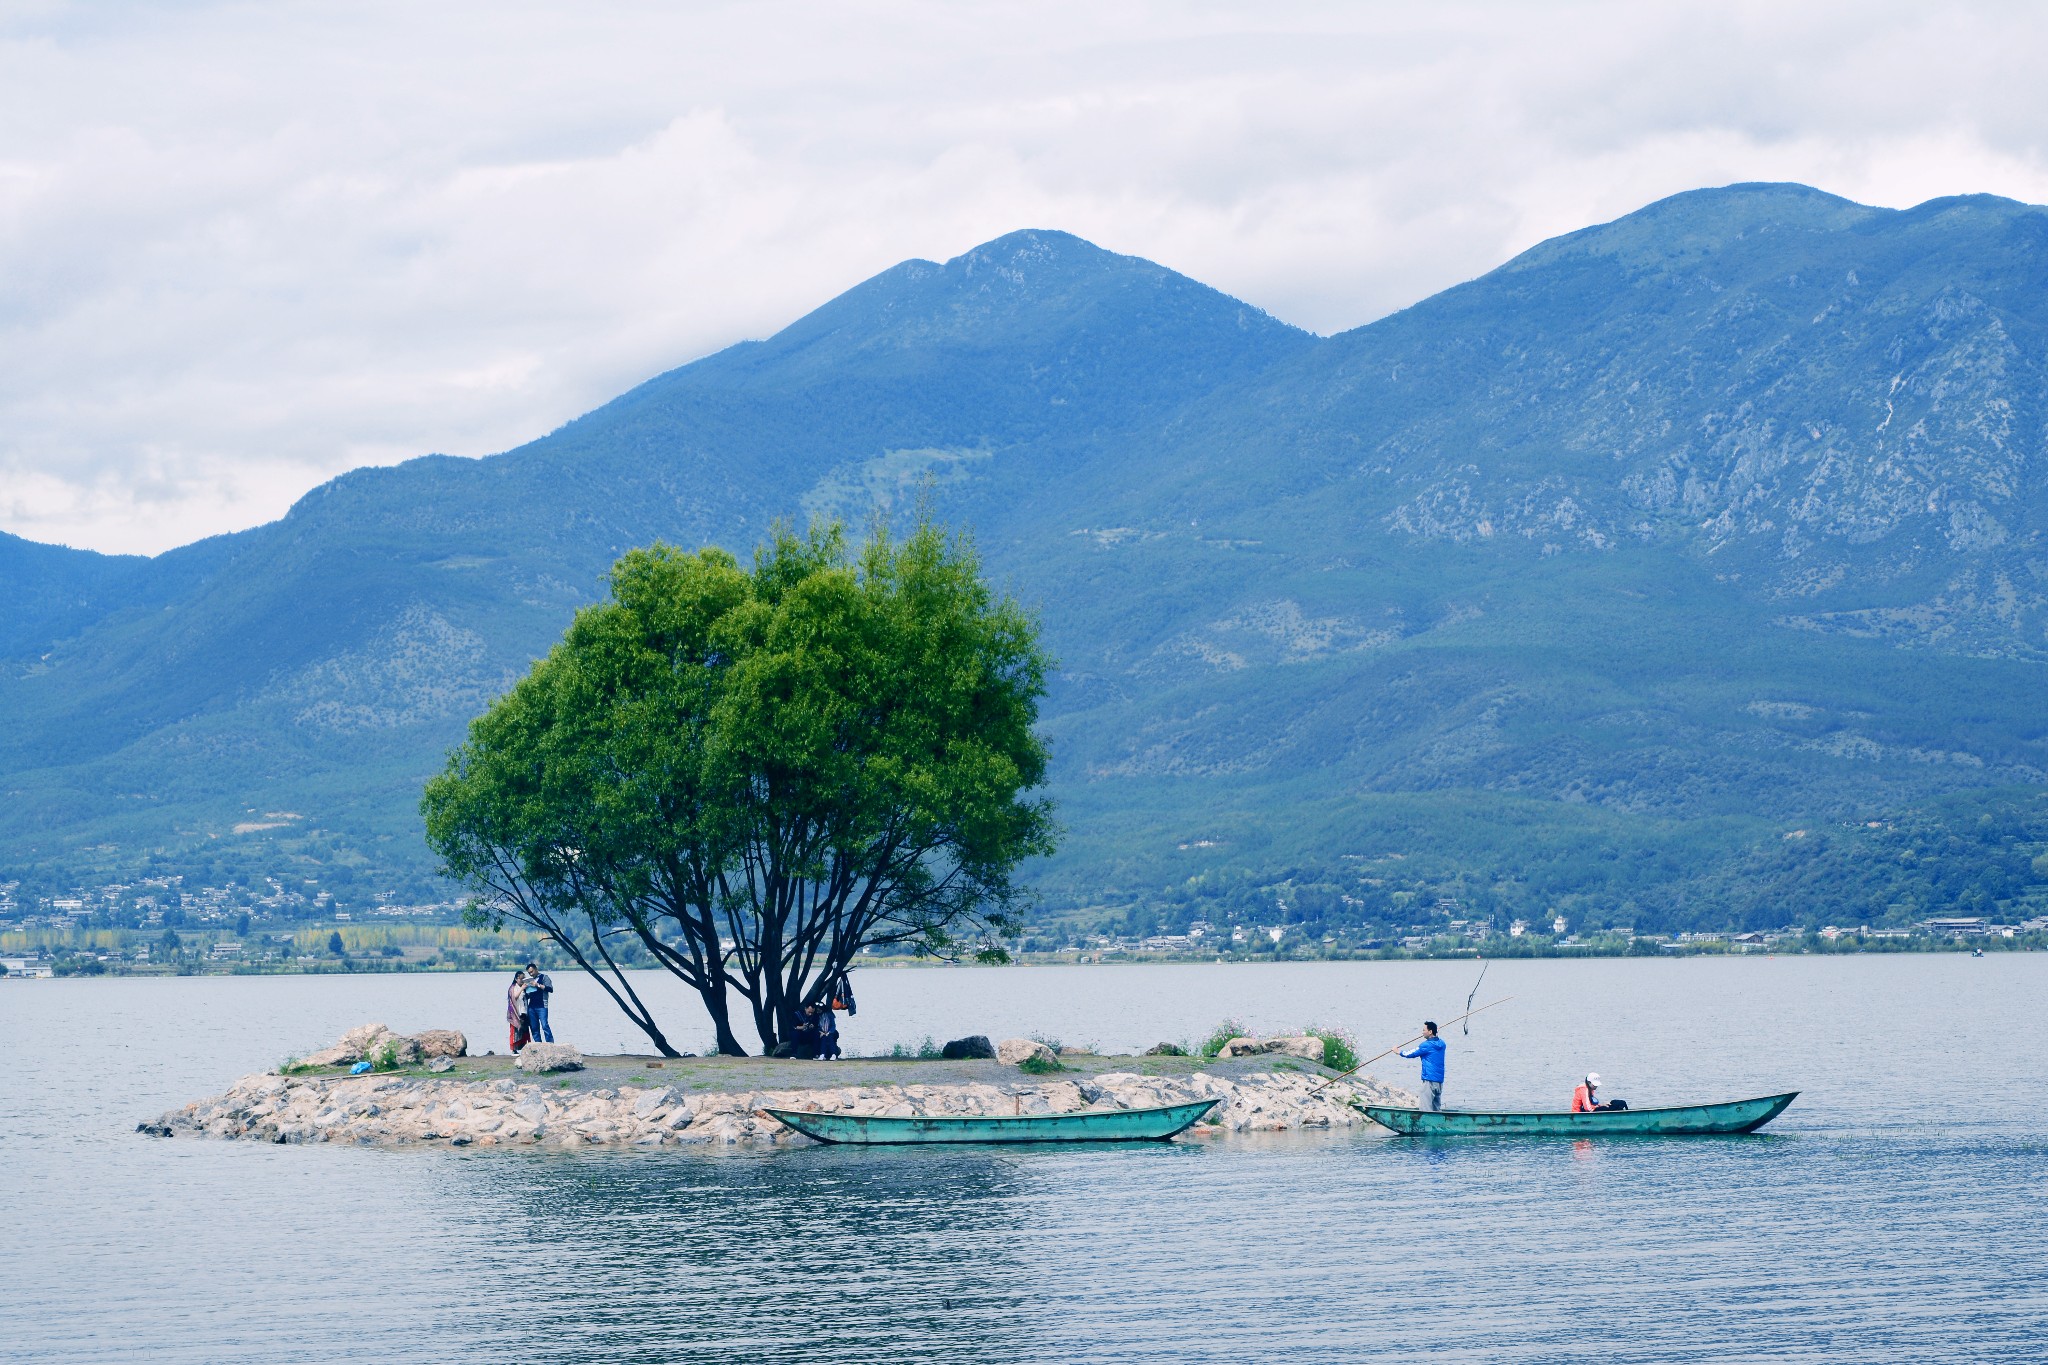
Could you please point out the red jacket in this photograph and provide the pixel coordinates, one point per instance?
(1582, 1099)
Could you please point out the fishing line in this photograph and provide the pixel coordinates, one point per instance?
(1473, 994)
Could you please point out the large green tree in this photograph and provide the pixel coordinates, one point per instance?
(754, 775)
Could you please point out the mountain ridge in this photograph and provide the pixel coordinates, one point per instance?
(1618, 531)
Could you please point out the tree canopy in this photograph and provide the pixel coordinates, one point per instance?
(755, 774)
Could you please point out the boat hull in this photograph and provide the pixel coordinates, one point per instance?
(1689, 1120)
(1107, 1125)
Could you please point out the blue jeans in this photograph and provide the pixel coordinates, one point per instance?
(537, 1030)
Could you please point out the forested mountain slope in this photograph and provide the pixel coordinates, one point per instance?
(1585, 584)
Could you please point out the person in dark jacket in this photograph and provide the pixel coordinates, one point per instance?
(803, 1035)
(540, 989)
(1431, 1051)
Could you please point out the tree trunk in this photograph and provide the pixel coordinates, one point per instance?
(768, 1024)
(716, 1005)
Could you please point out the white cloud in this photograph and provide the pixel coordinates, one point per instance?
(245, 247)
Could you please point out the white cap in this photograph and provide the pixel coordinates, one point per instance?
(1592, 1078)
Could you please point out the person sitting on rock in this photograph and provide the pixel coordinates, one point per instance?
(804, 1036)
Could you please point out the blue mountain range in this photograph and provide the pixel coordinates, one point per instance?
(1685, 570)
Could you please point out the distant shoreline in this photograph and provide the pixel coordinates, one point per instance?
(1718, 949)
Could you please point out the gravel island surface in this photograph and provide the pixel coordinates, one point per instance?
(652, 1102)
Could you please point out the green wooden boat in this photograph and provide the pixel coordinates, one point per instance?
(1093, 1125)
(1685, 1120)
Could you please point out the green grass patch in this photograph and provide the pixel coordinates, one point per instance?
(1340, 1048)
(925, 1051)
(1221, 1034)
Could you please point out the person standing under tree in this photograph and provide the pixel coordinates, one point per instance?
(515, 1009)
(540, 989)
(1431, 1051)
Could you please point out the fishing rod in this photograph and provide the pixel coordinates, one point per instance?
(1403, 1043)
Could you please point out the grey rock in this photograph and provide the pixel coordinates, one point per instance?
(1012, 1051)
(541, 1058)
(395, 1048)
(441, 1063)
(442, 1042)
(1293, 1045)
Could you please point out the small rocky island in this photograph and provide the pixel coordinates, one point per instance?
(425, 1089)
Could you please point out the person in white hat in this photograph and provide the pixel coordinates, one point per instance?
(1586, 1099)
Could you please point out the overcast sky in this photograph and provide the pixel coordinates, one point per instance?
(245, 247)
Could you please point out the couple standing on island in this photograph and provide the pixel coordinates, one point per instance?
(526, 1006)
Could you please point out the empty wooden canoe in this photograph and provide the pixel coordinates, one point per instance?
(1091, 1125)
(1735, 1116)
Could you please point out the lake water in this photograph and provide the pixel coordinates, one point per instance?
(1897, 1212)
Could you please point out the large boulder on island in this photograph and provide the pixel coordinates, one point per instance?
(354, 1046)
(393, 1049)
(975, 1047)
(377, 1043)
(1309, 1049)
(442, 1042)
(541, 1058)
(1017, 1051)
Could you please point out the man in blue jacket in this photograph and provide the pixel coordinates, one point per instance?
(1431, 1051)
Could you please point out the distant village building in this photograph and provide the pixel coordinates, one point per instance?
(1961, 926)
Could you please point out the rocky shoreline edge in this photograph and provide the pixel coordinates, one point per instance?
(616, 1102)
